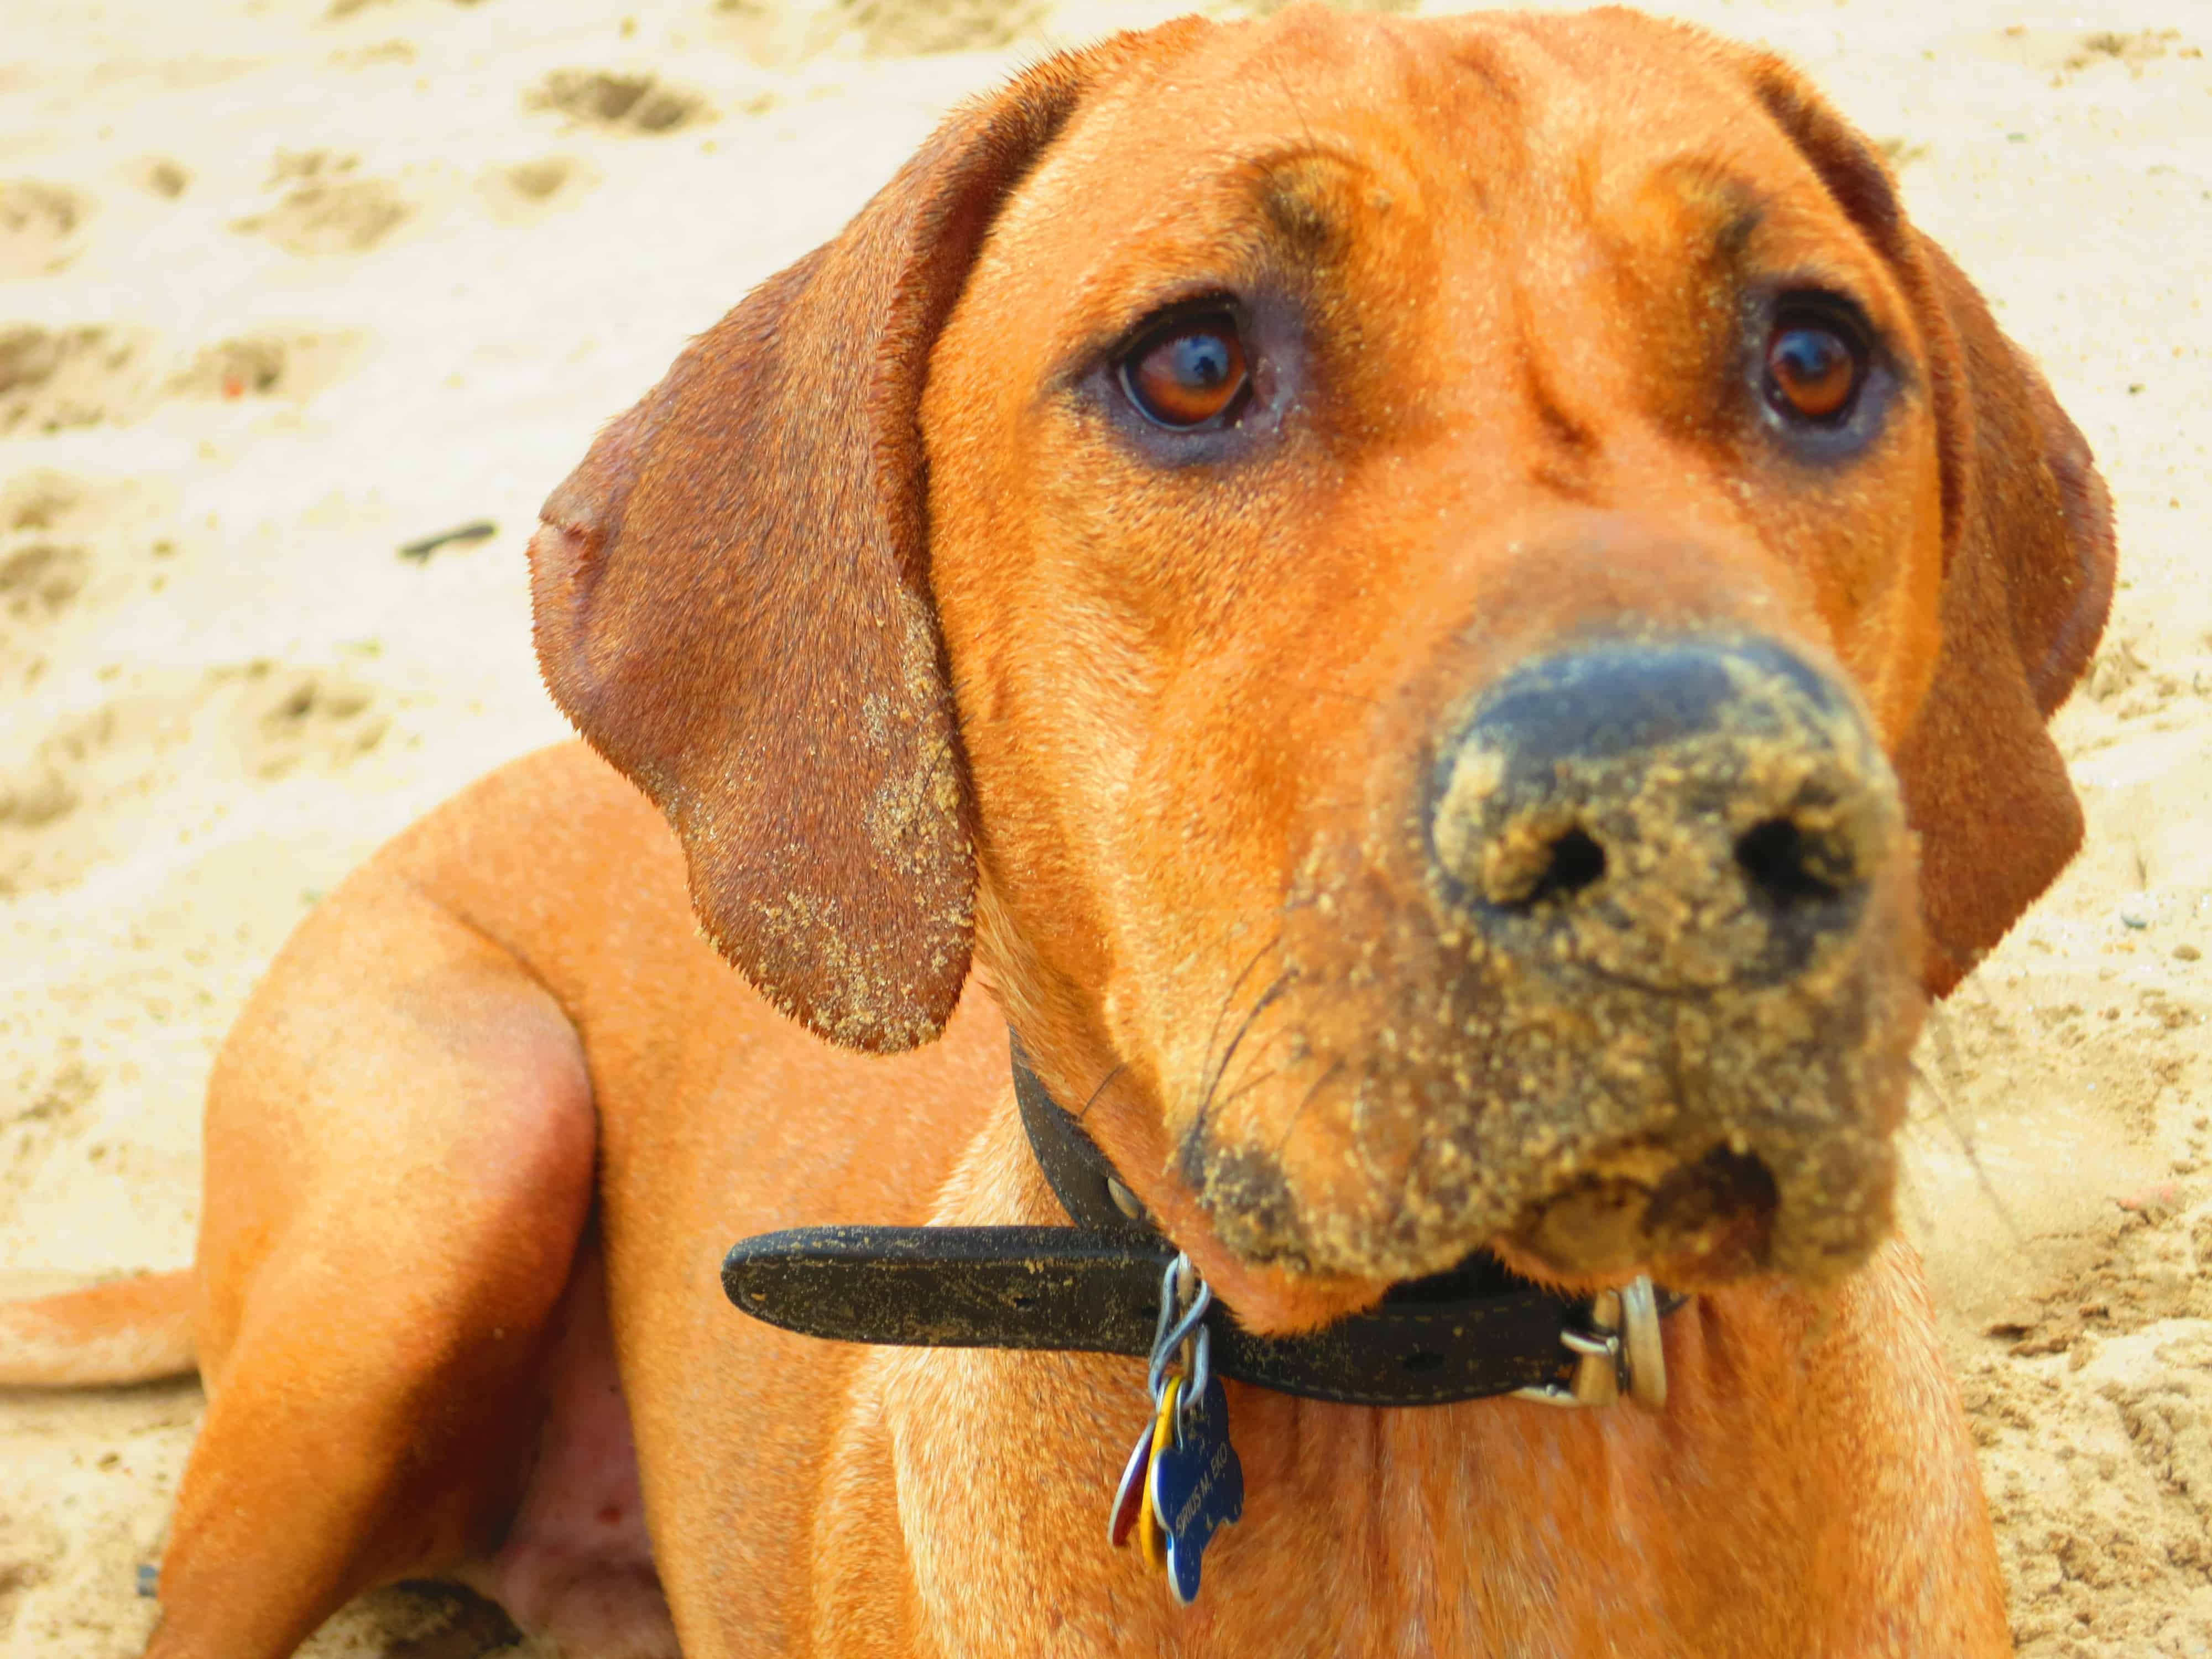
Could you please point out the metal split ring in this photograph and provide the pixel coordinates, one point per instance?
(1621, 1353)
(1186, 1335)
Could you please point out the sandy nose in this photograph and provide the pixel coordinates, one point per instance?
(1685, 813)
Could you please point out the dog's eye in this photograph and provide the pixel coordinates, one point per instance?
(1189, 374)
(1814, 365)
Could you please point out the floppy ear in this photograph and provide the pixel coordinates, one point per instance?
(731, 602)
(2027, 576)
(2026, 592)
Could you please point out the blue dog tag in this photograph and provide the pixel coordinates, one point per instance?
(1197, 1486)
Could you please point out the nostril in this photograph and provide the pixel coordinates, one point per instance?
(1785, 865)
(1560, 869)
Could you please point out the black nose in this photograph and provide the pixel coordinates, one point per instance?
(1681, 813)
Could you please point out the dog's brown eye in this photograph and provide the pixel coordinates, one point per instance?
(1192, 373)
(1813, 370)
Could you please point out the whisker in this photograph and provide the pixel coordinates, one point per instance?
(1248, 1082)
(1945, 1054)
(1208, 1076)
(1260, 1004)
(1229, 997)
(1112, 1072)
(1306, 1100)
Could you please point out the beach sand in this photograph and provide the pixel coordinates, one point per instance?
(287, 286)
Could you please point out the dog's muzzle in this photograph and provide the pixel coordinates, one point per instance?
(1680, 839)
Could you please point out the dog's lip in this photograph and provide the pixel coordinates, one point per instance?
(1277, 1301)
(1730, 1259)
(1271, 1299)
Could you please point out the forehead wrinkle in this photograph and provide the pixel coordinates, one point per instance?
(1259, 209)
(1722, 205)
(1254, 101)
(1298, 193)
(1801, 239)
(1591, 109)
(1703, 213)
(1737, 206)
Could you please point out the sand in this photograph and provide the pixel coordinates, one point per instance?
(287, 286)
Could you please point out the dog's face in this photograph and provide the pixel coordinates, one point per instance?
(1297, 426)
(1441, 539)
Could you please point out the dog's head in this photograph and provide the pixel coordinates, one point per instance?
(1459, 615)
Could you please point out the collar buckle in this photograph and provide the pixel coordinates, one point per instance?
(1619, 1353)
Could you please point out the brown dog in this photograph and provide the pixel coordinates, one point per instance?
(1388, 591)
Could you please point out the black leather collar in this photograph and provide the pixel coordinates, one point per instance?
(1476, 1331)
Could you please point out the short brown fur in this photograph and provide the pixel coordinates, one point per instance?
(967, 711)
